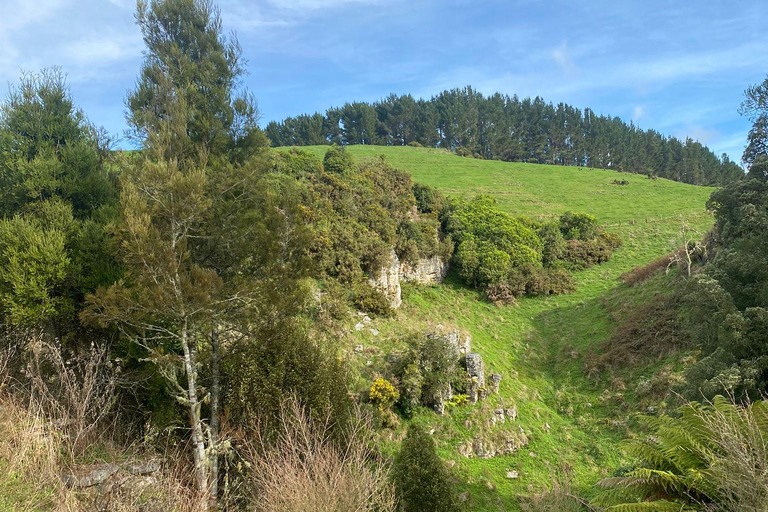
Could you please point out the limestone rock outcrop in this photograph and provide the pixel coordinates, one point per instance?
(425, 271)
(387, 280)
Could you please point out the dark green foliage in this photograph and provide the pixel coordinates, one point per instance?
(490, 243)
(426, 372)
(686, 462)
(190, 66)
(507, 128)
(57, 198)
(578, 226)
(338, 160)
(726, 310)
(360, 212)
(371, 300)
(511, 257)
(422, 481)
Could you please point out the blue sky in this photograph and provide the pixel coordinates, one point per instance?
(679, 67)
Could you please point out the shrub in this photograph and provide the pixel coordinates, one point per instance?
(545, 281)
(415, 144)
(504, 293)
(640, 274)
(371, 300)
(411, 383)
(578, 226)
(383, 394)
(712, 457)
(426, 372)
(422, 480)
(305, 471)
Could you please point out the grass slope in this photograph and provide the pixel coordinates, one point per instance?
(573, 422)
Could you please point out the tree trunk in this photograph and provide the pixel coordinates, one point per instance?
(213, 442)
(193, 404)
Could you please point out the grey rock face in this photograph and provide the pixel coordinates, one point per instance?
(388, 281)
(495, 380)
(426, 271)
(476, 368)
(95, 477)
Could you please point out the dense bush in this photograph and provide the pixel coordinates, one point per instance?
(510, 257)
(426, 372)
(422, 481)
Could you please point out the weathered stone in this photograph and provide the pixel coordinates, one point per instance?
(358, 349)
(512, 474)
(495, 380)
(511, 414)
(375, 332)
(425, 271)
(359, 326)
(476, 368)
(441, 399)
(483, 450)
(466, 449)
(96, 476)
(498, 416)
(465, 347)
(366, 319)
(473, 391)
(387, 280)
(143, 468)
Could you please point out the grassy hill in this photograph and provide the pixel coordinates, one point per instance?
(573, 422)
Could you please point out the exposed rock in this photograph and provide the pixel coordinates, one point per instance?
(465, 347)
(495, 380)
(498, 416)
(359, 326)
(425, 271)
(476, 368)
(366, 319)
(143, 468)
(96, 476)
(473, 391)
(512, 474)
(511, 414)
(358, 349)
(483, 449)
(466, 449)
(375, 332)
(387, 280)
(441, 400)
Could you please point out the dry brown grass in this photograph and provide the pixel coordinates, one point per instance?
(741, 468)
(305, 471)
(49, 422)
(639, 274)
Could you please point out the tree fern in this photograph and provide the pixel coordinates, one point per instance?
(682, 460)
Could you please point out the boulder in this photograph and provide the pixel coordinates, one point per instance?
(495, 380)
(476, 368)
(96, 476)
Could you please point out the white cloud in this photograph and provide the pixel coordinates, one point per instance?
(637, 113)
(562, 56)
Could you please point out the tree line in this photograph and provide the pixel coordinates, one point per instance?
(511, 129)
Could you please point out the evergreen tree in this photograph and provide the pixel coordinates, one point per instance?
(422, 481)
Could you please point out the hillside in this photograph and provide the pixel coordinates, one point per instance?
(573, 423)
